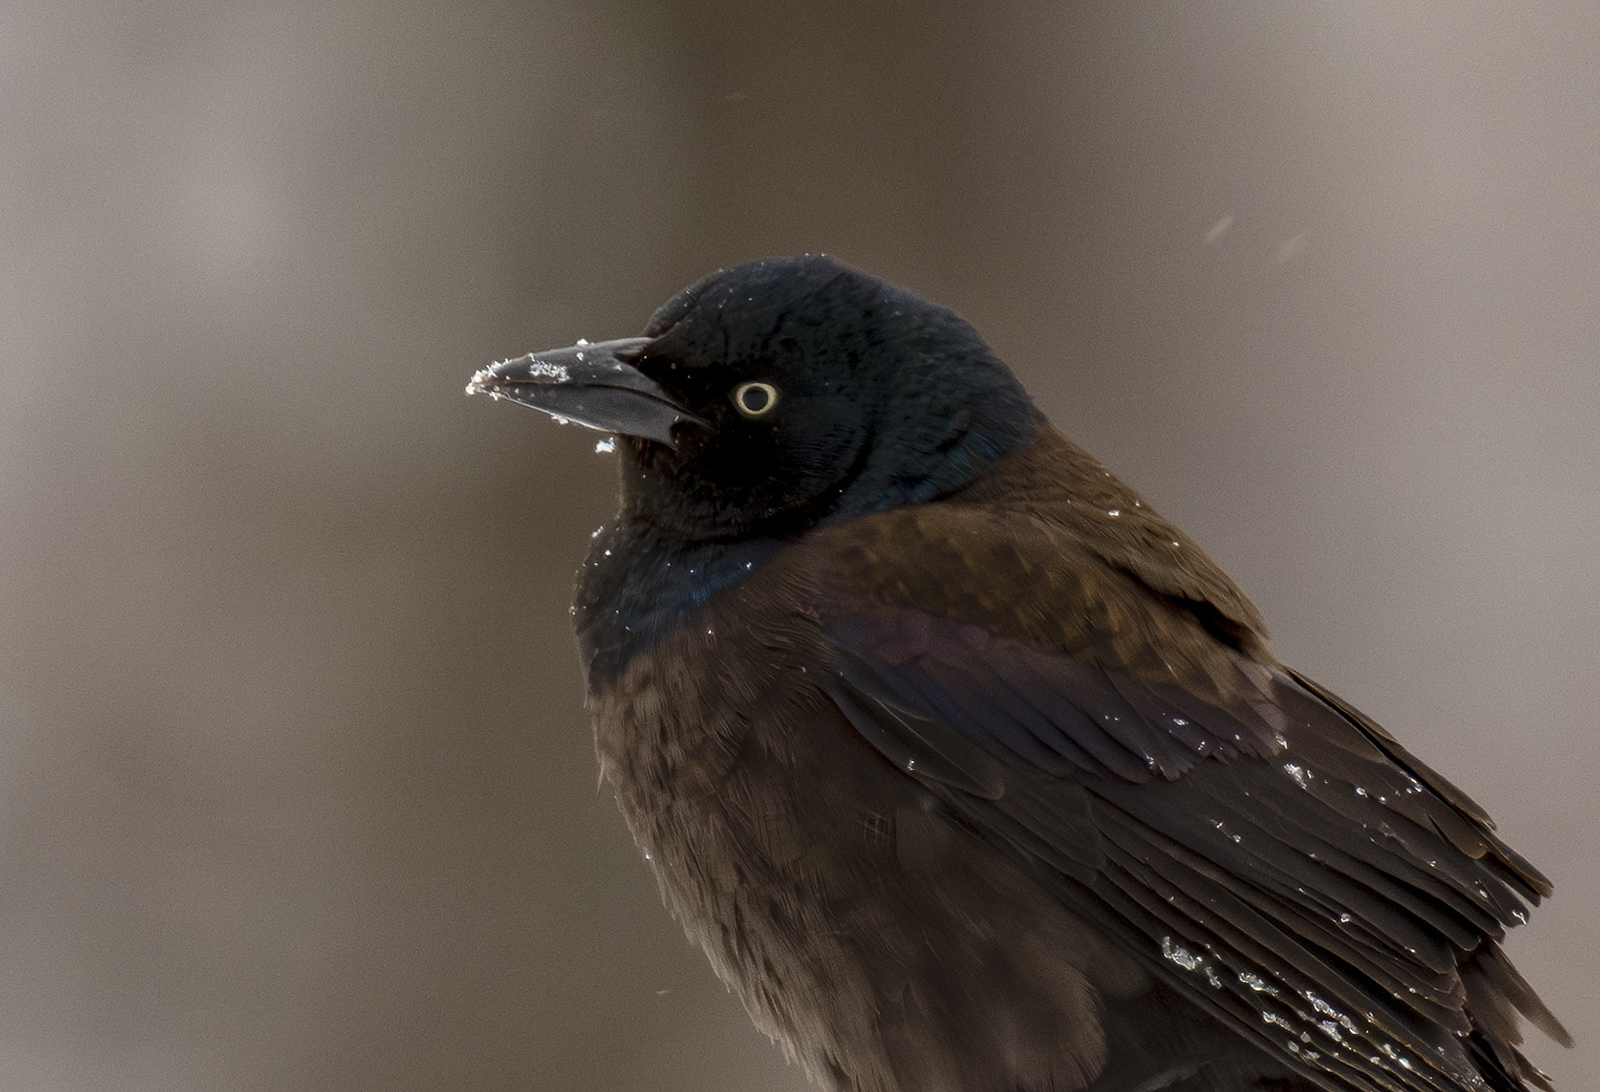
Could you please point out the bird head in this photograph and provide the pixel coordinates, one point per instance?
(779, 394)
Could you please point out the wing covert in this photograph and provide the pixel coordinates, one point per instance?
(1289, 865)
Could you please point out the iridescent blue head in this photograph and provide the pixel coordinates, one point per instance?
(781, 394)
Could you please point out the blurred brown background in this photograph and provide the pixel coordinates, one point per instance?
(296, 790)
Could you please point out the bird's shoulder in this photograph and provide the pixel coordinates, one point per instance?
(1049, 549)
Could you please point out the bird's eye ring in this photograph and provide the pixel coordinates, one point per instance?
(755, 400)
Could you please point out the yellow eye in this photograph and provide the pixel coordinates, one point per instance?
(755, 399)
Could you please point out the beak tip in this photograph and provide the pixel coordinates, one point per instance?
(590, 384)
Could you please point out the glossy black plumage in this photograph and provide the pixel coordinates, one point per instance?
(968, 770)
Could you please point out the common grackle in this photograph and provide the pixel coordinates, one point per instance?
(969, 771)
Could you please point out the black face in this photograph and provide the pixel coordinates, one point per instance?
(782, 393)
(788, 410)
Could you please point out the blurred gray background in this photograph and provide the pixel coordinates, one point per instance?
(296, 789)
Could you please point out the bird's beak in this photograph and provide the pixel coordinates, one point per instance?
(589, 384)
